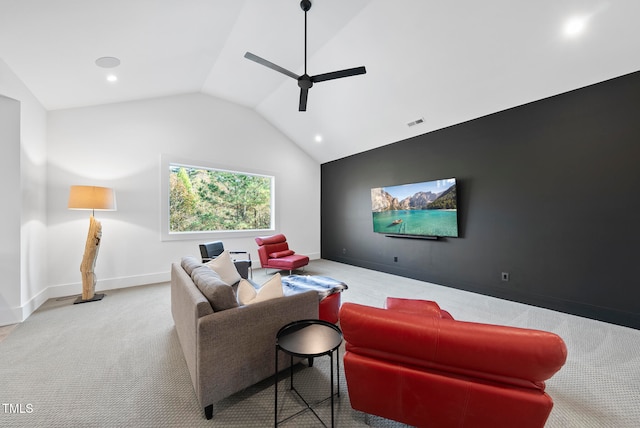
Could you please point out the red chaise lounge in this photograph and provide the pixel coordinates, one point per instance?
(274, 253)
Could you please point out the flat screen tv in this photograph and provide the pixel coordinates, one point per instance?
(426, 209)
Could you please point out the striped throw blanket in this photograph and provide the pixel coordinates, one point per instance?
(325, 286)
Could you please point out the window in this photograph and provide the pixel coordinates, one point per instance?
(203, 199)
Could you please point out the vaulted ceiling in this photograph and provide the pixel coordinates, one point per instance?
(443, 61)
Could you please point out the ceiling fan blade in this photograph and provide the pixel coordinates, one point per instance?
(271, 65)
(304, 92)
(338, 74)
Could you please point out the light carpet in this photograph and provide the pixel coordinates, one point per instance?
(118, 362)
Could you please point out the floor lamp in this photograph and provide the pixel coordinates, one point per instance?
(91, 198)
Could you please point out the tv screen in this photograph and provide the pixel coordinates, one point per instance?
(429, 208)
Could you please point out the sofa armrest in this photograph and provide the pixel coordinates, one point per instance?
(236, 347)
(187, 306)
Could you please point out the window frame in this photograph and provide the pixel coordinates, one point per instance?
(169, 161)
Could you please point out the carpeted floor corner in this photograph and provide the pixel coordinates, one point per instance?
(118, 363)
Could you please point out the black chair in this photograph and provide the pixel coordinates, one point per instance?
(211, 250)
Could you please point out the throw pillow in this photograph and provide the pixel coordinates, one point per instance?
(279, 254)
(246, 292)
(219, 294)
(248, 295)
(223, 265)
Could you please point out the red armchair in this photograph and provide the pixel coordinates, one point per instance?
(274, 253)
(415, 364)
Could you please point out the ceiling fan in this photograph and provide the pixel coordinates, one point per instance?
(305, 82)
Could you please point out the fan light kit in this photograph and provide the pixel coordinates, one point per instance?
(305, 82)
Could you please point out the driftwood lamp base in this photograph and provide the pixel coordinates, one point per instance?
(89, 262)
(96, 297)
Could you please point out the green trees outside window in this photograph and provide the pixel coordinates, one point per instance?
(203, 200)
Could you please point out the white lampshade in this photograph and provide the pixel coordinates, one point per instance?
(92, 198)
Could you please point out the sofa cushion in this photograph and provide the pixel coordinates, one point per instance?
(284, 253)
(274, 248)
(219, 294)
(248, 295)
(223, 266)
(189, 263)
(289, 262)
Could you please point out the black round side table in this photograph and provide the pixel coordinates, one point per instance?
(308, 339)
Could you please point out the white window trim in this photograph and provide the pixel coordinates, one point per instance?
(167, 160)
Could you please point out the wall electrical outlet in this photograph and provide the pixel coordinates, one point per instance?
(505, 276)
(395, 259)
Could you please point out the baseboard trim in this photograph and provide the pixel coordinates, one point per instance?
(63, 290)
(10, 316)
(18, 314)
(581, 309)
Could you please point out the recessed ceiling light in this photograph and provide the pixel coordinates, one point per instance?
(574, 26)
(107, 62)
(112, 78)
(318, 138)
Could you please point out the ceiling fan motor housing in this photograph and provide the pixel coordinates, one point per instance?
(305, 82)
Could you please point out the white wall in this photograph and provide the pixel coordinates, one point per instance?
(10, 218)
(24, 260)
(120, 145)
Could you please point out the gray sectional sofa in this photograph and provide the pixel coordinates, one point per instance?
(227, 346)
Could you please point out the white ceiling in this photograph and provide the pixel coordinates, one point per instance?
(446, 61)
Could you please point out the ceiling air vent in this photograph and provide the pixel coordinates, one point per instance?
(416, 122)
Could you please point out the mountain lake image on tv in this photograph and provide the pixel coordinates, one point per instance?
(428, 208)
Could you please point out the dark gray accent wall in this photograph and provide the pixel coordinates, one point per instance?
(548, 192)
